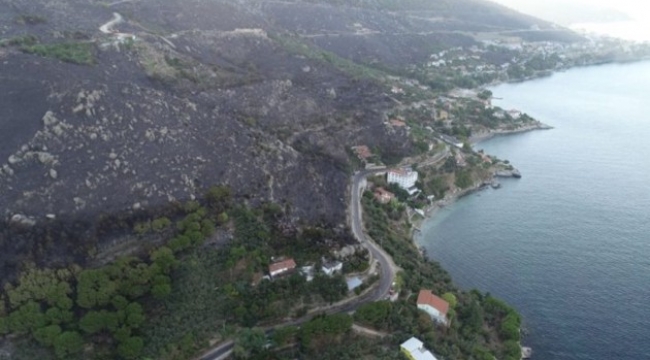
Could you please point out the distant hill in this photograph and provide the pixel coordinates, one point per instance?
(264, 96)
(565, 13)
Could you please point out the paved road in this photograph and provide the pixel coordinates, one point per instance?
(387, 268)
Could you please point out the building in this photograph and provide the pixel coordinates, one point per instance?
(451, 141)
(415, 350)
(397, 123)
(307, 272)
(515, 114)
(436, 307)
(281, 267)
(405, 178)
(329, 268)
(383, 196)
(362, 152)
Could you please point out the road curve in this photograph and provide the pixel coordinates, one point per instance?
(387, 268)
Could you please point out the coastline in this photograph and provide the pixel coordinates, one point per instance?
(477, 138)
(478, 185)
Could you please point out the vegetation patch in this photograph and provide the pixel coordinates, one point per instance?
(71, 52)
(28, 19)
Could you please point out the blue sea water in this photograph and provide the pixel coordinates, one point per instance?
(568, 244)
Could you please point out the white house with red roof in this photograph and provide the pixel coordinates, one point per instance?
(282, 267)
(436, 307)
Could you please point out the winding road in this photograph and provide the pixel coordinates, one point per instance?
(385, 261)
(379, 292)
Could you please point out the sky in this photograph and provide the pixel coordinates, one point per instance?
(634, 8)
(626, 19)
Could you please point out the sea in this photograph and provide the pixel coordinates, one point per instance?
(568, 244)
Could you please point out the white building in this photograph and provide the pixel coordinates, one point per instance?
(405, 178)
(415, 350)
(329, 268)
(436, 307)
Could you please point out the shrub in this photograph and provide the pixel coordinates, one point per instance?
(75, 53)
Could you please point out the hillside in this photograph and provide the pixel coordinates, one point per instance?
(102, 127)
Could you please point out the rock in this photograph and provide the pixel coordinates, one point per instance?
(22, 220)
(79, 202)
(53, 174)
(58, 130)
(13, 159)
(112, 156)
(137, 206)
(49, 119)
(45, 158)
(7, 170)
(78, 108)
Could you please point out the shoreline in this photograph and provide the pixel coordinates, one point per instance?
(538, 125)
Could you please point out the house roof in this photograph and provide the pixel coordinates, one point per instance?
(383, 191)
(397, 123)
(415, 347)
(362, 151)
(426, 297)
(401, 172)
(332, 264)
(282, 265)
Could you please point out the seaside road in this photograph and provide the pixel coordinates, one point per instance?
(387, 266)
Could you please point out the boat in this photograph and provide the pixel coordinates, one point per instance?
(526, 352)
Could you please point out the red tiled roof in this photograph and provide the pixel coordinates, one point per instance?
(285, 264)
(383, 191)
(397, 123)
(401, 172)
(426, 297)
(363, 152)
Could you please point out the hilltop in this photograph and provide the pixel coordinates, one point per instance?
(112, 112)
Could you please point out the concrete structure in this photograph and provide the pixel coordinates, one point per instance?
(329, 268)
(451, 140)
(436, 307)
(405, 178)
(515, 114)
(415, 350)
(281, 267)
(307, 272)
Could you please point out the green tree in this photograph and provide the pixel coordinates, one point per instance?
(94, 288)
(48, 335)
(134, 315)
(58, 316)
(130, 348)
(222, 218)
(92, 322)
(375, 314)
(451, 299)
(160, 224)
(249, 342)
(68, 344)
(463, 179)
(27, 318)
(162, 287)
(164, 258)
